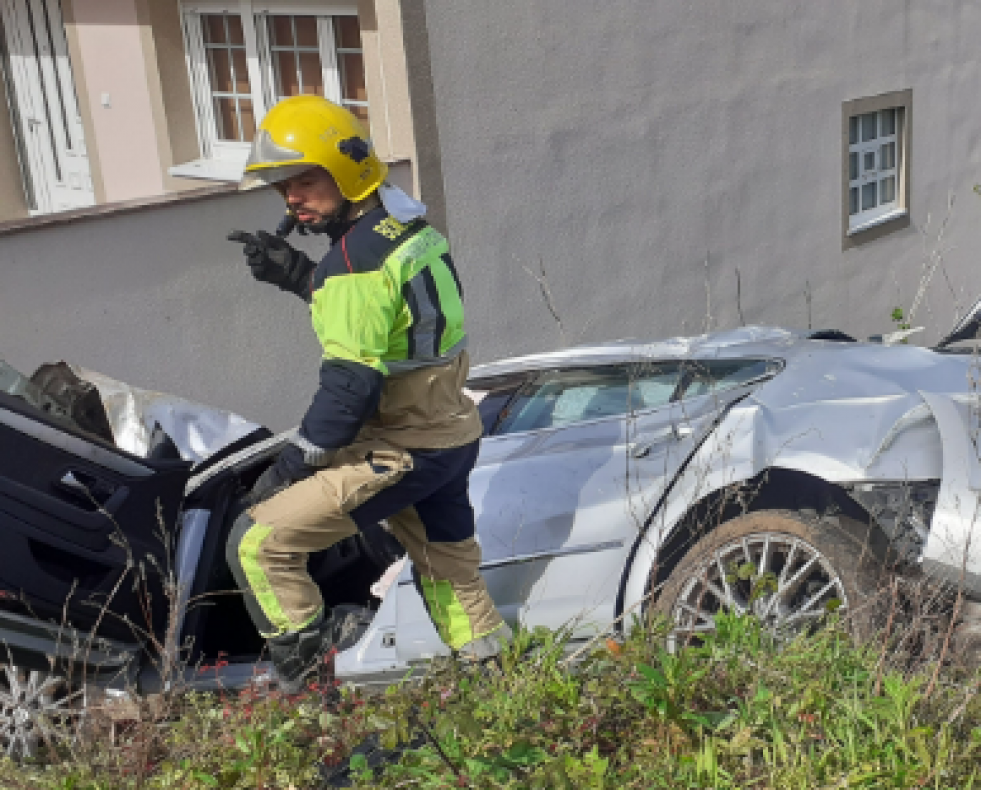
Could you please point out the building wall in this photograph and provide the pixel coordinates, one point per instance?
(641, 160)
(124, 134)
(13, 201)
(387, 86)
(656, 158)
(159, 298)
(170, 88)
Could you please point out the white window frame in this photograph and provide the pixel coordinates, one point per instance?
(861, 176)
(868, 224)
(223, 159)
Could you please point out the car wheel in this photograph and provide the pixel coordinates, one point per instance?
(36, 707)
(786, 568)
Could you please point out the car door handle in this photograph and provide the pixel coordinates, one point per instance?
(100, 493)
(70, 481)
(639, 449)
(643, 447)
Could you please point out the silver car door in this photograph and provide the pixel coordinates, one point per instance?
(581, 513)
(559, 507)
(540, 497)
(550, 496)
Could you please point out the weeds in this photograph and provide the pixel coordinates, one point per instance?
(738, 710)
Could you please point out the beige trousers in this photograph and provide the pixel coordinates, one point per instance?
(268, 550)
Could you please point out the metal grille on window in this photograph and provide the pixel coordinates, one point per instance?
(231, 93)
(304, 63)
(295, 51)
(350, 63)
(873, 166)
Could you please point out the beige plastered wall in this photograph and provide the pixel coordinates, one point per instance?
(387, 84)
(13, 202)
(131, 50)
(151, 125)
(170, 89)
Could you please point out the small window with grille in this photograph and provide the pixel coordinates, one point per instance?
(872, 160)
(876, 162)
(241, 65)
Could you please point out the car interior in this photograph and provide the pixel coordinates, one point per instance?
(90, 530)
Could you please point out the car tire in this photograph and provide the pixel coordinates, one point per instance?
(815, 560)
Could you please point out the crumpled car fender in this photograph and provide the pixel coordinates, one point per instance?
(888, 438)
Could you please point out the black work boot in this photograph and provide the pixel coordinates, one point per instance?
(298, 656)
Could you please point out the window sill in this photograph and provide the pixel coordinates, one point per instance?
(230, 170)
(112, 210)
(899, 213)
(210, 169)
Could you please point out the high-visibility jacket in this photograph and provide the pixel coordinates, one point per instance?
(387, 305)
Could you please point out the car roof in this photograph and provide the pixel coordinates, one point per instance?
(745, 341)
(817, 370)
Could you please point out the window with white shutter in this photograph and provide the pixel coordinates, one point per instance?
(245, 55)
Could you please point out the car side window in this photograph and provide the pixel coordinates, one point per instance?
(707, 377)
(559, 398)
(493, 395)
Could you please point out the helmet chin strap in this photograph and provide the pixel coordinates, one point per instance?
(334, 225)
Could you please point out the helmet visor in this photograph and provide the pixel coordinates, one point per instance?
(267, 163)
(270, 176)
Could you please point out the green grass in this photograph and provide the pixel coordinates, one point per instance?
(735, 712)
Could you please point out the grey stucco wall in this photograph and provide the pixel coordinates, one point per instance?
(621, 145)
(160, 299)
(641, 148)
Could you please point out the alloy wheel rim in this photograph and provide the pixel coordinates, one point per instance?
(792, 586)
(33, 707)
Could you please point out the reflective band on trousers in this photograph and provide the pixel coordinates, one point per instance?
(447, 612)
(248, 555)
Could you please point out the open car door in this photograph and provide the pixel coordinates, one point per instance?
(83, 527)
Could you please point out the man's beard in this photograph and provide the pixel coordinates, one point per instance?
(330, 224)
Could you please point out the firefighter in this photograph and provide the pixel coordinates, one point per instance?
(390, 433)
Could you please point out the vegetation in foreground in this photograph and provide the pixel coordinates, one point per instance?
(737, 711)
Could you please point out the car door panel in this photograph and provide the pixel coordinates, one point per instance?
(559, 508)
(77, 513)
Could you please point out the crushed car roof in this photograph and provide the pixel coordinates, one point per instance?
(769, 339)
(816, 370)
(745, 341)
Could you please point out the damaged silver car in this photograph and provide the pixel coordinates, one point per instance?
(611, 477)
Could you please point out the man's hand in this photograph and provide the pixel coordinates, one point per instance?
(288, 468)
(274, 260)
(293, 464)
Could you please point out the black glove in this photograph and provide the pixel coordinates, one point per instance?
(293, 464)
(273, 260)
(288, 468)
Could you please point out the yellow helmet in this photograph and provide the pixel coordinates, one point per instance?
(301, 132)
